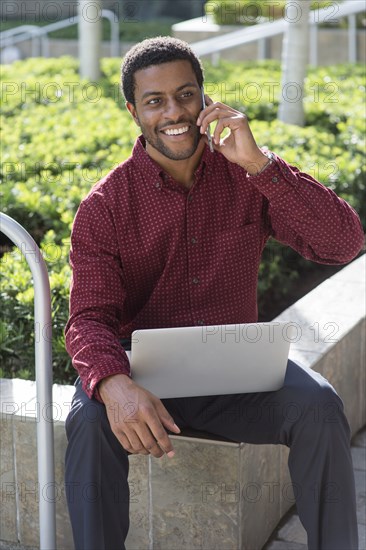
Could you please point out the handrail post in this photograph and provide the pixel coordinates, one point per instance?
(43, 362)
(262, 49)
(111, 16)
(352, 38)
(313, 44)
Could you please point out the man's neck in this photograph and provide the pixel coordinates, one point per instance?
(182, 171)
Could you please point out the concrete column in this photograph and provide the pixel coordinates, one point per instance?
(90, 37)
(294, 62)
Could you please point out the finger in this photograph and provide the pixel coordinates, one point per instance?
(218, 114)
(237, 123)
(163, 440)
(128, 439)
(165, 418)
(137, 444)
(205, 109)
(220, 127)
(124, 441)
(161, 435)
(216, 106)
(150, 443)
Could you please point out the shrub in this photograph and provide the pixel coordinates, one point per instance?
(62, 134)
(252, 12)
(244, 12)
(17, 324)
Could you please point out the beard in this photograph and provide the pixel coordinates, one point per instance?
(153, 138)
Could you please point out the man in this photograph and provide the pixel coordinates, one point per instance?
(173, 237)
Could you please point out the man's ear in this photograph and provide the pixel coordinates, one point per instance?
(132, 110)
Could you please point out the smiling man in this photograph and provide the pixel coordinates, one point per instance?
(168, 138)
(173, 237)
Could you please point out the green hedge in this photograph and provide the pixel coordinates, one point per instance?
(244, 12)
(252, 12)
(60, 135)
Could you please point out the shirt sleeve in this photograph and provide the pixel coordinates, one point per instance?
(97, 296)
(308, 216)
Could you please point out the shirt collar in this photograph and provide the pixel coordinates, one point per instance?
(154, 172)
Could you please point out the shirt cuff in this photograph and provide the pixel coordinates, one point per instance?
(90, 385)
(277, 178)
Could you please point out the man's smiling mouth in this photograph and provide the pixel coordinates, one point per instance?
(175, 131)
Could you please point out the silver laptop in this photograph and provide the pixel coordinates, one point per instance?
(212, 360)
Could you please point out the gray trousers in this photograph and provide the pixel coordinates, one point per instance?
(306, 414)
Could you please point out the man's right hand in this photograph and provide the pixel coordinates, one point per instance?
(137, 417)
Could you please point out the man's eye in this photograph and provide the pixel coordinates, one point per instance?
(153, 101)
(187, 94)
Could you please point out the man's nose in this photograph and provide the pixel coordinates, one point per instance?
(173, 108)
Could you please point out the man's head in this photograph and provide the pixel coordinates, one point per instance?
(162, 81)
(155, 51)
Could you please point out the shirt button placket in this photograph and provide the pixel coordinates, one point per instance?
(193, 240)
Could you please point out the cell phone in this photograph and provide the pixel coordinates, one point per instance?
(208, 131)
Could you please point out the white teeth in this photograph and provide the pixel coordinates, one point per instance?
(177, 131)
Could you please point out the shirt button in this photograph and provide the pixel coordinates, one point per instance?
(193, 240)
(200, 322)
(275, 179)
(158, 185)
(190, 198)
(195, 280)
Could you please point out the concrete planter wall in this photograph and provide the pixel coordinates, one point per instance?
(213, 494)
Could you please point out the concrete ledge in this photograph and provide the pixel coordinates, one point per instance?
(214, 494)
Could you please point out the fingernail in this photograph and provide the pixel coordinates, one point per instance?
(175, 426)
(171, 454)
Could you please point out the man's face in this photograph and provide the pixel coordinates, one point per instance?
(167, 104)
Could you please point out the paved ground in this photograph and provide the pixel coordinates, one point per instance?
(290, 534)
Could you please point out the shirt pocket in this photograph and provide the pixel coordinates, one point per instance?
(235, 250)
(246, 238)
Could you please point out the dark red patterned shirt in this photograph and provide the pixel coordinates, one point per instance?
(147, 252)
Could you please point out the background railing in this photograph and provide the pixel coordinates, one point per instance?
(39, 35)
(212, 46)
(43, 362)
(260, 33)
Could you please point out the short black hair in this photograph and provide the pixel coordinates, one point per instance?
(155, 51)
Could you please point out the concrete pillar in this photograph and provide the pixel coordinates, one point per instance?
(294, 62)
(90, 37)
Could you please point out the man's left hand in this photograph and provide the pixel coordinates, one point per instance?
(239, 145)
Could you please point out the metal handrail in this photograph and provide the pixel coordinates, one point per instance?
(26, 32)
(259, 33)
(43, 362)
